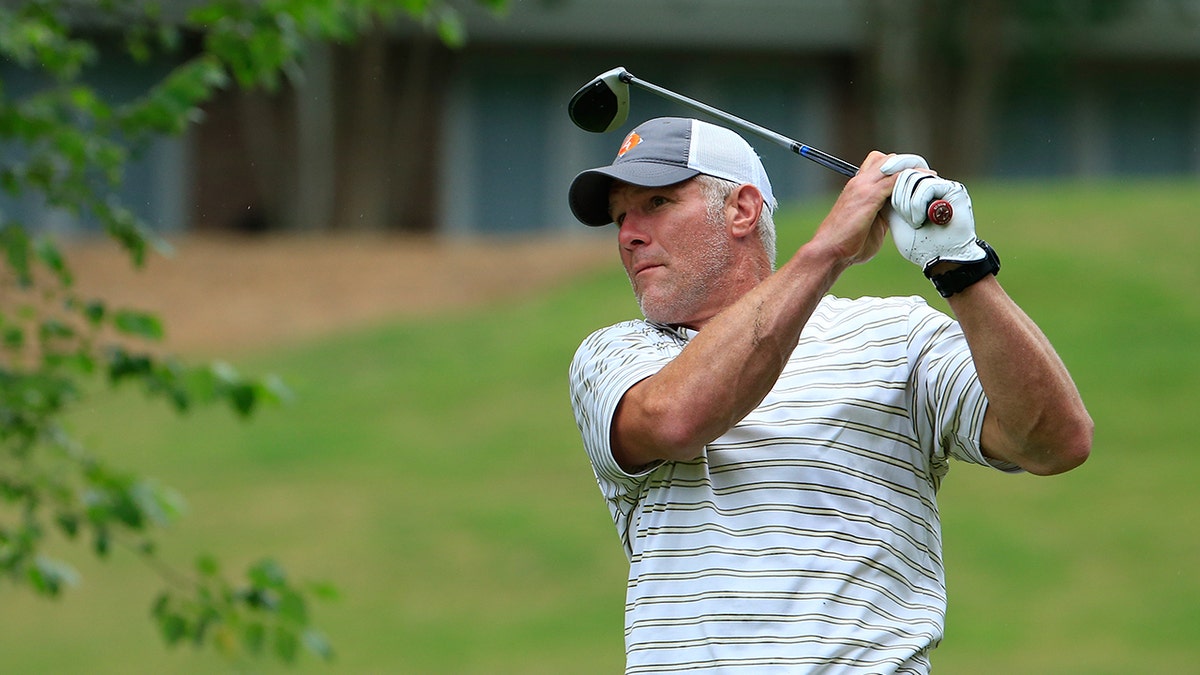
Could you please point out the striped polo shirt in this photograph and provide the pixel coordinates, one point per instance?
(807, 538)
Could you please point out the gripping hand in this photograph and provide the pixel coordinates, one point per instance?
(921, 242)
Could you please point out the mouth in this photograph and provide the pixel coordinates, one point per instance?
(644, 266)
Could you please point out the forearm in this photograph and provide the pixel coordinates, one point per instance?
(727, 368)
(1036, 417)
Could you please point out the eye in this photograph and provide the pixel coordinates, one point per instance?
(657, 200)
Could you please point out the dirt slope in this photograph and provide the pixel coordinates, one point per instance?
(222, 294)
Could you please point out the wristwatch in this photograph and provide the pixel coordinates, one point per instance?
(959, 278)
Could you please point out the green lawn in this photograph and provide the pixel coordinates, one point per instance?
(432, 471)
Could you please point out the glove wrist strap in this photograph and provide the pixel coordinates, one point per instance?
(959, 278)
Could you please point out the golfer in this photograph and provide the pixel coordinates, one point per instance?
(771, 454)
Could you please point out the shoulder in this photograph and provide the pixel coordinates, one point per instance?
(635, 334)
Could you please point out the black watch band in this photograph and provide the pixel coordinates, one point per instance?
(957, 279)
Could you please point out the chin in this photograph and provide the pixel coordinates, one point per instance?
(650, 311)
(657, 313)
(660, 305)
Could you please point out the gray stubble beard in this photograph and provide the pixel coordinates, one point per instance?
(715, 258)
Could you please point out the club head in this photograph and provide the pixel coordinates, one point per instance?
(602, 104)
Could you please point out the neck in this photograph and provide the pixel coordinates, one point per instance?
(735, 284)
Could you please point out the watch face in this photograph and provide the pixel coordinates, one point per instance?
(991, 255)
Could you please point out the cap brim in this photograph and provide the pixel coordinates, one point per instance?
(589, 191)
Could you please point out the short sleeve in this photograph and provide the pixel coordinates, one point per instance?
(606, 365)
(948, 401)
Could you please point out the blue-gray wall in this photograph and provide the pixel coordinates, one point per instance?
(155, 184)
(510, 150)
(505, 150)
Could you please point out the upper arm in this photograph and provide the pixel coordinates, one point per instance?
(609, 366)
(1061, 450)
(993, 442)
(1036, 418)
(626, 451)
(644, 431)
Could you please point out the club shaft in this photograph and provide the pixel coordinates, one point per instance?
(823, 158)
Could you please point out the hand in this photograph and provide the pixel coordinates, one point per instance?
(897, 163)
(921, 242)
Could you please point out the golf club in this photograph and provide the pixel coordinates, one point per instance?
(603, 105)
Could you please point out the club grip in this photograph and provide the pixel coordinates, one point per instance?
(939, 212)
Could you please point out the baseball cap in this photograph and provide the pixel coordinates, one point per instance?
(665, 151)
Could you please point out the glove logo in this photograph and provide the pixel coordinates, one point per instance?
(631, 142)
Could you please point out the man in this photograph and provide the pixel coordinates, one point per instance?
(771, 455)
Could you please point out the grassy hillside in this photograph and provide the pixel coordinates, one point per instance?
(432, 471)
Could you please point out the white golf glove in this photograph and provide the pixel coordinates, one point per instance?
(920, 241)
(898, 163)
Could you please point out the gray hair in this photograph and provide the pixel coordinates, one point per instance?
(717, 190)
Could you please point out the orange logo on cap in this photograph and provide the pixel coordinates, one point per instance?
(631, 142)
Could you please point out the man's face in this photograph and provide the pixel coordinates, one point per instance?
(675, 252)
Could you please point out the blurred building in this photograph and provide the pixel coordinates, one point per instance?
(400, 132)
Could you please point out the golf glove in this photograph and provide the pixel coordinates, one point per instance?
(921, 242)
(898, 163)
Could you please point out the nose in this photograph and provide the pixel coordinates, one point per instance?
(632, 232)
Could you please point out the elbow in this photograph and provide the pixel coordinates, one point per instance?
(1072, 447)
(637, 452)
(679, 441)
(643, 433)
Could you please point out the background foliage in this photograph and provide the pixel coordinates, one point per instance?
(67, 145)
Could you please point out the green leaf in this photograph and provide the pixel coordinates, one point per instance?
(53, 329)
(286, 644)
(48, 576)
(221, 380)
(171, 625)
(94, 311)
(13, 337)
(450, 28)
(169, 37)
(223, 373)
(273, 389)
(124, 508)
(122, 365)
(174, 103)
(15, 242)
(68, 523)
(208, 566)
(160, 504)
(243, 398)
(317, 643)
(137, 44)
(52, 258)
(141, 324)
(102, 543)
(293, 608)
(267, 573)
(254, 636)
(324, 590)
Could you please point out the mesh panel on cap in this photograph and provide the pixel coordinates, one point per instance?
(719, 152)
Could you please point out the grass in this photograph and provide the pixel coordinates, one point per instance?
(433, 472)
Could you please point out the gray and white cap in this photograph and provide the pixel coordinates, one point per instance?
(665, 151)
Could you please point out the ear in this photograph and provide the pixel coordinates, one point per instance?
(745, 203)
